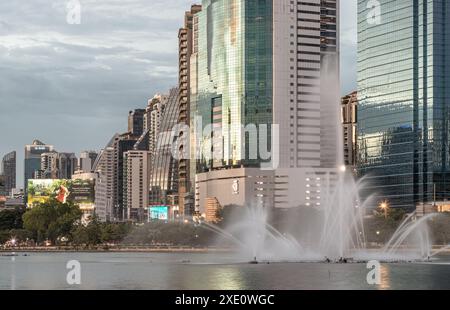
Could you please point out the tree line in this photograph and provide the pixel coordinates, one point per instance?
(61, 224)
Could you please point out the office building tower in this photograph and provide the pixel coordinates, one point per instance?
(3, 192)
(256, 64)
(349, 108)
(136, 185)
(86, 161)
(65, 166)
(104, 167)
(122, 144)
(185, 49)
(136, 122)
(164, 167)
(48, 166)
(32, 162)
(403, 74)
(8, 170)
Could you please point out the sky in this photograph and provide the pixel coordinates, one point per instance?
(72, 85)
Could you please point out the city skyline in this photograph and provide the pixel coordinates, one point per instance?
(85, 68)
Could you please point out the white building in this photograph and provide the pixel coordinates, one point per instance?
(136, 184)
(104, 193)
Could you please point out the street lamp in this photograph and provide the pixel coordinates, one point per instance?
(385, 207)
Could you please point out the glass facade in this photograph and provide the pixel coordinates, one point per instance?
(164, 167)
(9, 171)
(403, 103)
(233, 80)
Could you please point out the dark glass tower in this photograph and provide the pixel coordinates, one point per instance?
(404, 103)
(9, 171)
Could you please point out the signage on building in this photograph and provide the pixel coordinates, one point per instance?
(160, 213)
(235, 187)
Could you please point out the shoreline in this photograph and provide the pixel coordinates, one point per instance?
(116, 250)
(131, 249)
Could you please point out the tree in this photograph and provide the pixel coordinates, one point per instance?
(52, 220)
(11, 219)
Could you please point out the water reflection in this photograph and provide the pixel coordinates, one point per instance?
(226, 279)
(385, 278)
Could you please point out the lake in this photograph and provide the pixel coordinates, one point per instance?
(184, 271)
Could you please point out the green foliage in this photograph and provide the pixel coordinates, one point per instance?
(11, 219)
(95, 233)
(52, 220)
(159, 232)
(89, 235)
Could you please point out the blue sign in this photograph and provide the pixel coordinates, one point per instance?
(159, 213)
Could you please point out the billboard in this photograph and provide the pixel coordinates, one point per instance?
(80, 192)
(158, 213)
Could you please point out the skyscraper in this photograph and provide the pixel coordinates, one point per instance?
(48, 166)
(403, 95)
(136, 122)
(33, 160)
(122, 144)
(86, 161)
(104, 192)
(9, 171)
(185, 49)
(163, 166)
(256, 64)
(136, 184)
(349, 108)
(66, 165)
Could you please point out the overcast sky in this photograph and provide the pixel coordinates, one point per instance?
(73, 85)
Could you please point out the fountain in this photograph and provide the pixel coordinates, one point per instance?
(339, 234)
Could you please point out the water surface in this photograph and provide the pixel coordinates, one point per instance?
(181, 271)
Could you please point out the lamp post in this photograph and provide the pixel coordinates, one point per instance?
(385, 207)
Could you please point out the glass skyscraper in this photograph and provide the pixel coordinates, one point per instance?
(9, 171)
(270, 66)
(233, 84)
(403, 94)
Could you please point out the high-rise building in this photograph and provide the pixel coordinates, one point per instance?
(403, 95)
(48, 166)
(256, 64)
(33, 160)
(86, 161)
(3, 192)
(349, 107)
(8, 170)
(56, 165)
(104, 192)
(136, 122)
(136, 184)
(122, 144)
(164, 167)
(185, 50)
(66, 165)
